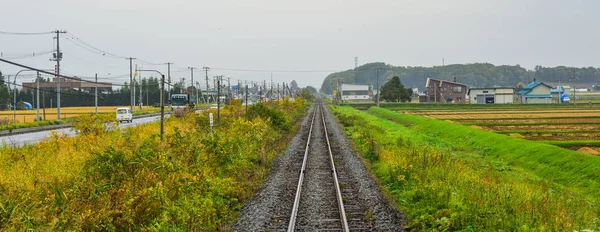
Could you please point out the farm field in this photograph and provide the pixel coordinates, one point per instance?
(450, 177)
(577, 123)
(25, 116)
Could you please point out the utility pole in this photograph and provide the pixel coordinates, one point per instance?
(37, 93)
(96, 94)
(193, 86)
(218, 101)
(278, 93)
(183, 87)
(229, 95)
(574, 88)
(246, 99)
(162, 108)
(207, 88)
(341, 92)
(131, 96)
(58, 57)
(271, 88)
(378, 91)
(44, 103)
(141, 90)
(169, 74)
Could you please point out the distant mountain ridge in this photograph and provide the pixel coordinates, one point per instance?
(474, 75)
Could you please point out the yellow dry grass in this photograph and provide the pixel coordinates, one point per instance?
(51, 113)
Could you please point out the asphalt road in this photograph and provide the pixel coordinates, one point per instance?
(34, 137)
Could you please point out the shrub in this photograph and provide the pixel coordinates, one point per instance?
(95, 124)
(276, 117)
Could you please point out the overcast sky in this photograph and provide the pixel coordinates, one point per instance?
(306, 35)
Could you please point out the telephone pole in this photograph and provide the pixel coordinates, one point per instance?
(37, 93)
(574, 88)
(131, 83)
(218, 102)
(141, 90)
(229, 95)
(193, 86)
(58, 57)
(207, 87)
(378, 92)
(96, 94)
(169, 76)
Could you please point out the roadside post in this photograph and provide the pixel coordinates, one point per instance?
(211, 122)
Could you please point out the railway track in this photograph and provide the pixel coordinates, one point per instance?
(321, 199)
(318, 184)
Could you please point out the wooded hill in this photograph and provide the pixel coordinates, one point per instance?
(475, 75)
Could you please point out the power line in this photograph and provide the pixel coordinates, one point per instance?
(93, 47)
(28, 55)
(150, 63)
(26, 33)
(267, 70)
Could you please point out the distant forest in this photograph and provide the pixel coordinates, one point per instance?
(474, 75)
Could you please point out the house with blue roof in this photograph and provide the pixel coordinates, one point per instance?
(535, 93)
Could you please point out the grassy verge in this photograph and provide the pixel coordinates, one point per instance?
(197, 179)
(521, 118)
(32, 124)
(546, 131)
(448, 178)
(526, 123)
(574, 143)
(468, 107)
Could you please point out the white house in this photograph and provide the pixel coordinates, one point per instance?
(353, 92)
(497, 95)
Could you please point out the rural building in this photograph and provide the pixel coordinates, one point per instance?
(497, 95)
(444, 91)
(354, 92)
(75, 83)
(535, 93)
(559, 91)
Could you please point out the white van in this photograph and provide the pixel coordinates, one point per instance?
(124, 114)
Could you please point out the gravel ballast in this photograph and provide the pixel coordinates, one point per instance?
(270, 208)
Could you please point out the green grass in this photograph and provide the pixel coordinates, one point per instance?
(33, 124)
(525, 123)
(468, 107)
(446, 176)
(546, 131)
(574, 143)
(521, 118)
(569, 168)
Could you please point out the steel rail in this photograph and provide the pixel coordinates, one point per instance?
(301, 178)
(343, 220)
(340, 201)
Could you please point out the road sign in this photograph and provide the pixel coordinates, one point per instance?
(211, 121)
(235, 87)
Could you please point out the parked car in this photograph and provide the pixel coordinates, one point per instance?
(124, 115)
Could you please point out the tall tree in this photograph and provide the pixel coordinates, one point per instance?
(4, 94)
(394, 91)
